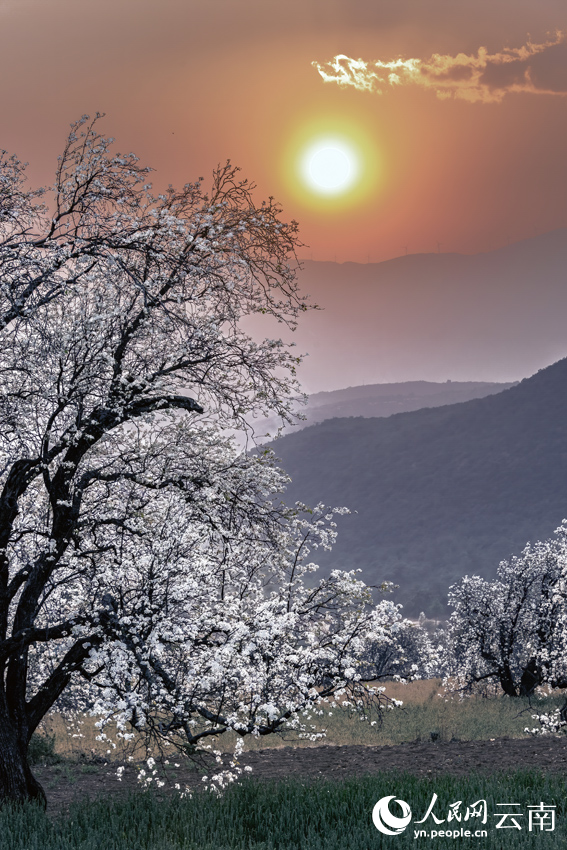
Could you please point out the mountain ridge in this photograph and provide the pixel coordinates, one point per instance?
(439, 492)
(493, 316)
(371, 400)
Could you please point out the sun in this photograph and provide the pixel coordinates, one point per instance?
(330, 164)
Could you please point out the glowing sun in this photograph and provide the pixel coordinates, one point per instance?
(330, 165)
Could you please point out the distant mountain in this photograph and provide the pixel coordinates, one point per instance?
(440, 492)
(386, 399)
(495, 316)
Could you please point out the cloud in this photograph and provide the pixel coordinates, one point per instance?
(484, 77)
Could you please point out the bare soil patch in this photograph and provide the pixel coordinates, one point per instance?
(67, 782)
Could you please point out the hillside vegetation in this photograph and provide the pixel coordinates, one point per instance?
(440, 492)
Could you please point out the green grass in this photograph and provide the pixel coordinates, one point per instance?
(287, 816)
(311, 815)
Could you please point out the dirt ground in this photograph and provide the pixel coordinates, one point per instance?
(66, 782)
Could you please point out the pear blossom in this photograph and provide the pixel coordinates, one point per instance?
(150, 571)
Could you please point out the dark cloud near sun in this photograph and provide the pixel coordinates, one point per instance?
(481, 77)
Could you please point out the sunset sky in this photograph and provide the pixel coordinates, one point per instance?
(466, 150)
(440, 127)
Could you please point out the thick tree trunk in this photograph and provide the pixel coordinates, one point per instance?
(17, 783)
(531, 678)
(507, 683)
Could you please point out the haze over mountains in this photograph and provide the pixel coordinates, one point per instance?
(440, 492)
(385, 399)
(496, 316)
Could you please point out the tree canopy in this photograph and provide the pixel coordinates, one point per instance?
(147, 566)
(512, 631)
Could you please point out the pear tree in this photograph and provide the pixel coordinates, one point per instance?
(148, 567)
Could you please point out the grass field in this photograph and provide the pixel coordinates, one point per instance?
(312, 815)
(292, 816)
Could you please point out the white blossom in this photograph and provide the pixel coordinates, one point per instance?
(512, 632)
(151, 572)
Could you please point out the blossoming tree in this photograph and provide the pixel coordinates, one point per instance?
(145, 562)
(512, 631)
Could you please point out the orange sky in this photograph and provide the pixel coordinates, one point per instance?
(188, 83)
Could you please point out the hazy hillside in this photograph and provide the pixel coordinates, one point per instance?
(386, 399)
(439, 492)
(495, 316)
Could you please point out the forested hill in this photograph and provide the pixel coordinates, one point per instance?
(439, 492)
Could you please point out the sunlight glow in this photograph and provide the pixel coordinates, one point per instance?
(330, 164)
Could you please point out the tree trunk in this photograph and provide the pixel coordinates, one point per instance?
(17, 783)
(507, 682)
(531, 678)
